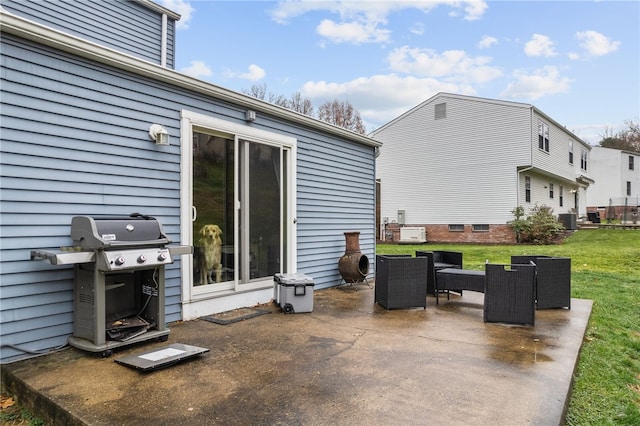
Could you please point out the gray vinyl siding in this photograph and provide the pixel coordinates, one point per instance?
(126, 26)
(336, 194)
(459, 169)
(75, 142)
(64, 154)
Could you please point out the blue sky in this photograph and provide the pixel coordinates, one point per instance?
(577, 61)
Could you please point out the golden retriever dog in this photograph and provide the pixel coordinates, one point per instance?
(210, 244)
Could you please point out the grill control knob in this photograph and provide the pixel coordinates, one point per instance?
(162, 257)
(142, 258)
(120, 260)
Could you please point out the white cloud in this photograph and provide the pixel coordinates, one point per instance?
(197, 69)
(381, 98)
(254, 73)
(542, 82)
(181, 7)
(451, 65)
(487, 41)
(540, 45)
(362, 21)
(474, 9)
(596, 44)
(417, 28)
(352, 32)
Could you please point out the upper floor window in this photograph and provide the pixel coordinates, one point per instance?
(631, 162)
(441, 111)
(583, 160)
(628, 188)
(550, 190)
(527, 189)
(570, 152)
(543, 136)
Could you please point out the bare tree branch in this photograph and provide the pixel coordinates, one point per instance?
(627, 139)
(339, 113)
(257, 91)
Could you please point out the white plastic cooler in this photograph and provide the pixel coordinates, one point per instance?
(293, 292)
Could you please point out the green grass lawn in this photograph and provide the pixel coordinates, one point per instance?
(605, 267)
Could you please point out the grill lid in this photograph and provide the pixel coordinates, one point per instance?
(136, 230)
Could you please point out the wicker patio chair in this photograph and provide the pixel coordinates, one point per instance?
(431, 271)
(553, 280)
(447, 259)
(401, 281)
(439, 259)
(509, 294)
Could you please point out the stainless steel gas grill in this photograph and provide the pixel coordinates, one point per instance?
(119, 293)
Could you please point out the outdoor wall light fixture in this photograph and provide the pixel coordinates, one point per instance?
(159, 134)
(250, 115)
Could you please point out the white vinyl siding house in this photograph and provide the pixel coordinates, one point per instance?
(75, 141)
(449, 164)
(617, 176)
(467, 162)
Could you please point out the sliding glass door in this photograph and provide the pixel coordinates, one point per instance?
(239, 224)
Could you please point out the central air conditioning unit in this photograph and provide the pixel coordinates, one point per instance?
(413, 235)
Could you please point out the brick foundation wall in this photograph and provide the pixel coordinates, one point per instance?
(497, 234)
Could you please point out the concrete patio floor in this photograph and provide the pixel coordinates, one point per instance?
(349, 362)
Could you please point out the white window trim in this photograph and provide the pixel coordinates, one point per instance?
(198, 301)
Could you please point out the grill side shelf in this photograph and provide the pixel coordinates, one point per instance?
(180, 250)
(63, 257)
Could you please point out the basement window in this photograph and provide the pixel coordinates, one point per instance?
(456, 228)
(480, 228)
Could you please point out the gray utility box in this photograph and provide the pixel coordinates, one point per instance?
(293, 292)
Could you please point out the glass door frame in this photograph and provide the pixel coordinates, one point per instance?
(204, 296)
